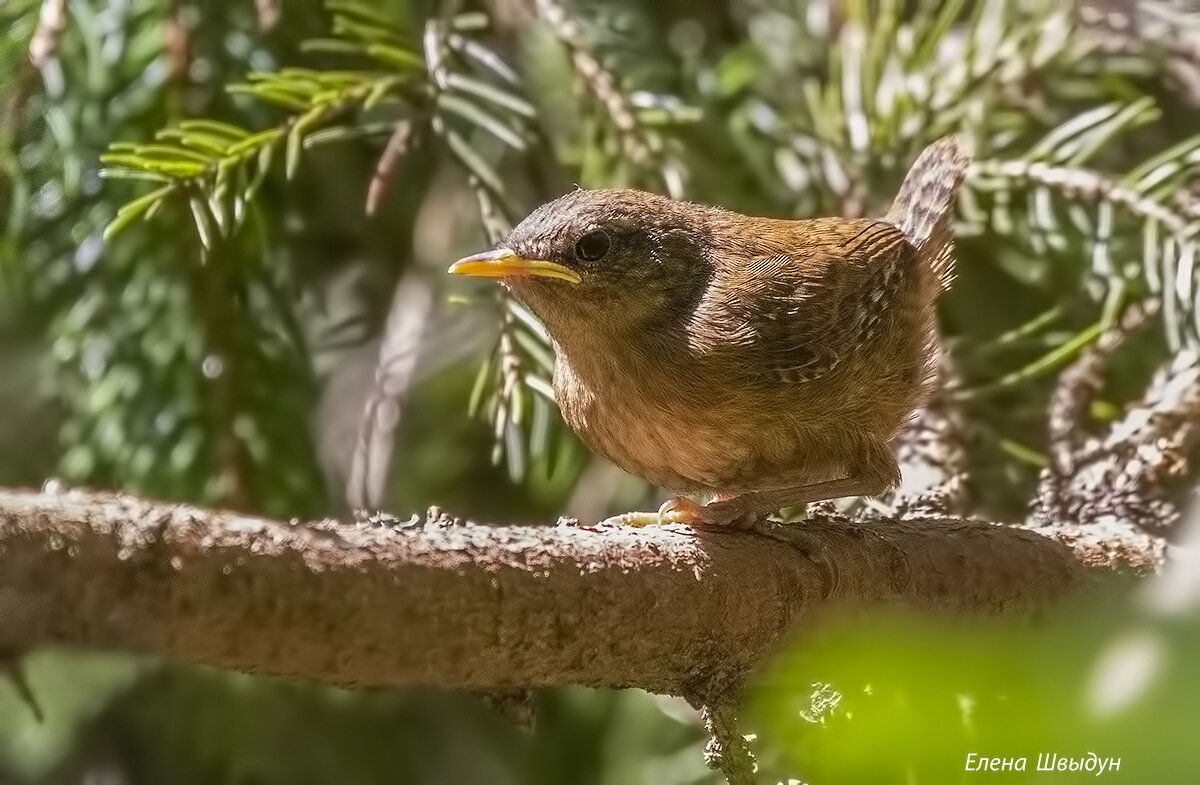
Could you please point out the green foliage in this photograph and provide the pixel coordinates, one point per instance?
(807, 113)
(191, 725)
(905, 699)
(33, 747)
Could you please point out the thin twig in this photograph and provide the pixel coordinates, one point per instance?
(51, 22)
(268, 14)
(401, 141)
(43, 47)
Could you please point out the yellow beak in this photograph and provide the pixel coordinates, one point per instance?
(504, 262)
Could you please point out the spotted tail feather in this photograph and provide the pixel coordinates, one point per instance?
(924, 208)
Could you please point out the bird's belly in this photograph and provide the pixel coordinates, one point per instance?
(683, 447)
(666, 451)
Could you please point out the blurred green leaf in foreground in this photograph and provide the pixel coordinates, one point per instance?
(898, 698)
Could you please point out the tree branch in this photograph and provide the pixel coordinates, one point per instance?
(435, 602)
(1127, 478)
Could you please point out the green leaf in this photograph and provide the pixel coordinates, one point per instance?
(1159, 171)
(479, 387)
(259, 139)
(485, 57)
(269, 94)
(1135, 114)
(347, 78)
(135, 209)
(1047, 362)
(935, 34)
(473, 162)
(539, 426)
(333, 46)
(366, 13)
(514, 449)
(537, 350)
(197, 140)
(379, 92)
(232, 132)
(173, 169)
(488, 122)
(173, 153)
(265, 155)
(338, 133)
(528, 319)
(1050, 148)
(367, 32)
(203, 221)
(118, 173)
(395, 56)
(292, 74)
(296, 138)
(491, 93)
(471, 21)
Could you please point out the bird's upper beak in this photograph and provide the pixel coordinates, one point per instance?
(504, 262)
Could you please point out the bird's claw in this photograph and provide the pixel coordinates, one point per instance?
(682, 510)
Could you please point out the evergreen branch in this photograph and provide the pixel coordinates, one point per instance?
(506, 405)
(1167, 264)
(602, 86)
(204, 158)
(1078, 385)
(887, 83)
(522, 346)
(1149, 29)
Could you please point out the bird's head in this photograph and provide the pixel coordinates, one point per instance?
(603, 259)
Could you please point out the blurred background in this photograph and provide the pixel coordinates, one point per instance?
(207, 208)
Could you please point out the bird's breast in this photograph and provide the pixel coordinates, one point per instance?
(647, 421)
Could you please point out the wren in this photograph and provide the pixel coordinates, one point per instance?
(766, 363)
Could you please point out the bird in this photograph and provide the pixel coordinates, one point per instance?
(760, 363)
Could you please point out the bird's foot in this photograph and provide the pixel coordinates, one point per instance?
(666, 514)
(721, 513)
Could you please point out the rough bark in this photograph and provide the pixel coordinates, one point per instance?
(436, 602)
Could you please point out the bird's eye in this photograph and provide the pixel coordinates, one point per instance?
(593, 245)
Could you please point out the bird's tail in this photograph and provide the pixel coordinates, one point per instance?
(924, 208)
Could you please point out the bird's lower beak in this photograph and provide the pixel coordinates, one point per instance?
(504, 262)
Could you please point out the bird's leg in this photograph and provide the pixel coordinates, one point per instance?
(873, 475)
(749, 510)
(723, 510)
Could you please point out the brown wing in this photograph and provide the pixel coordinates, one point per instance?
(821, 297)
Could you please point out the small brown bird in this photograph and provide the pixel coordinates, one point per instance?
(768, 363)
